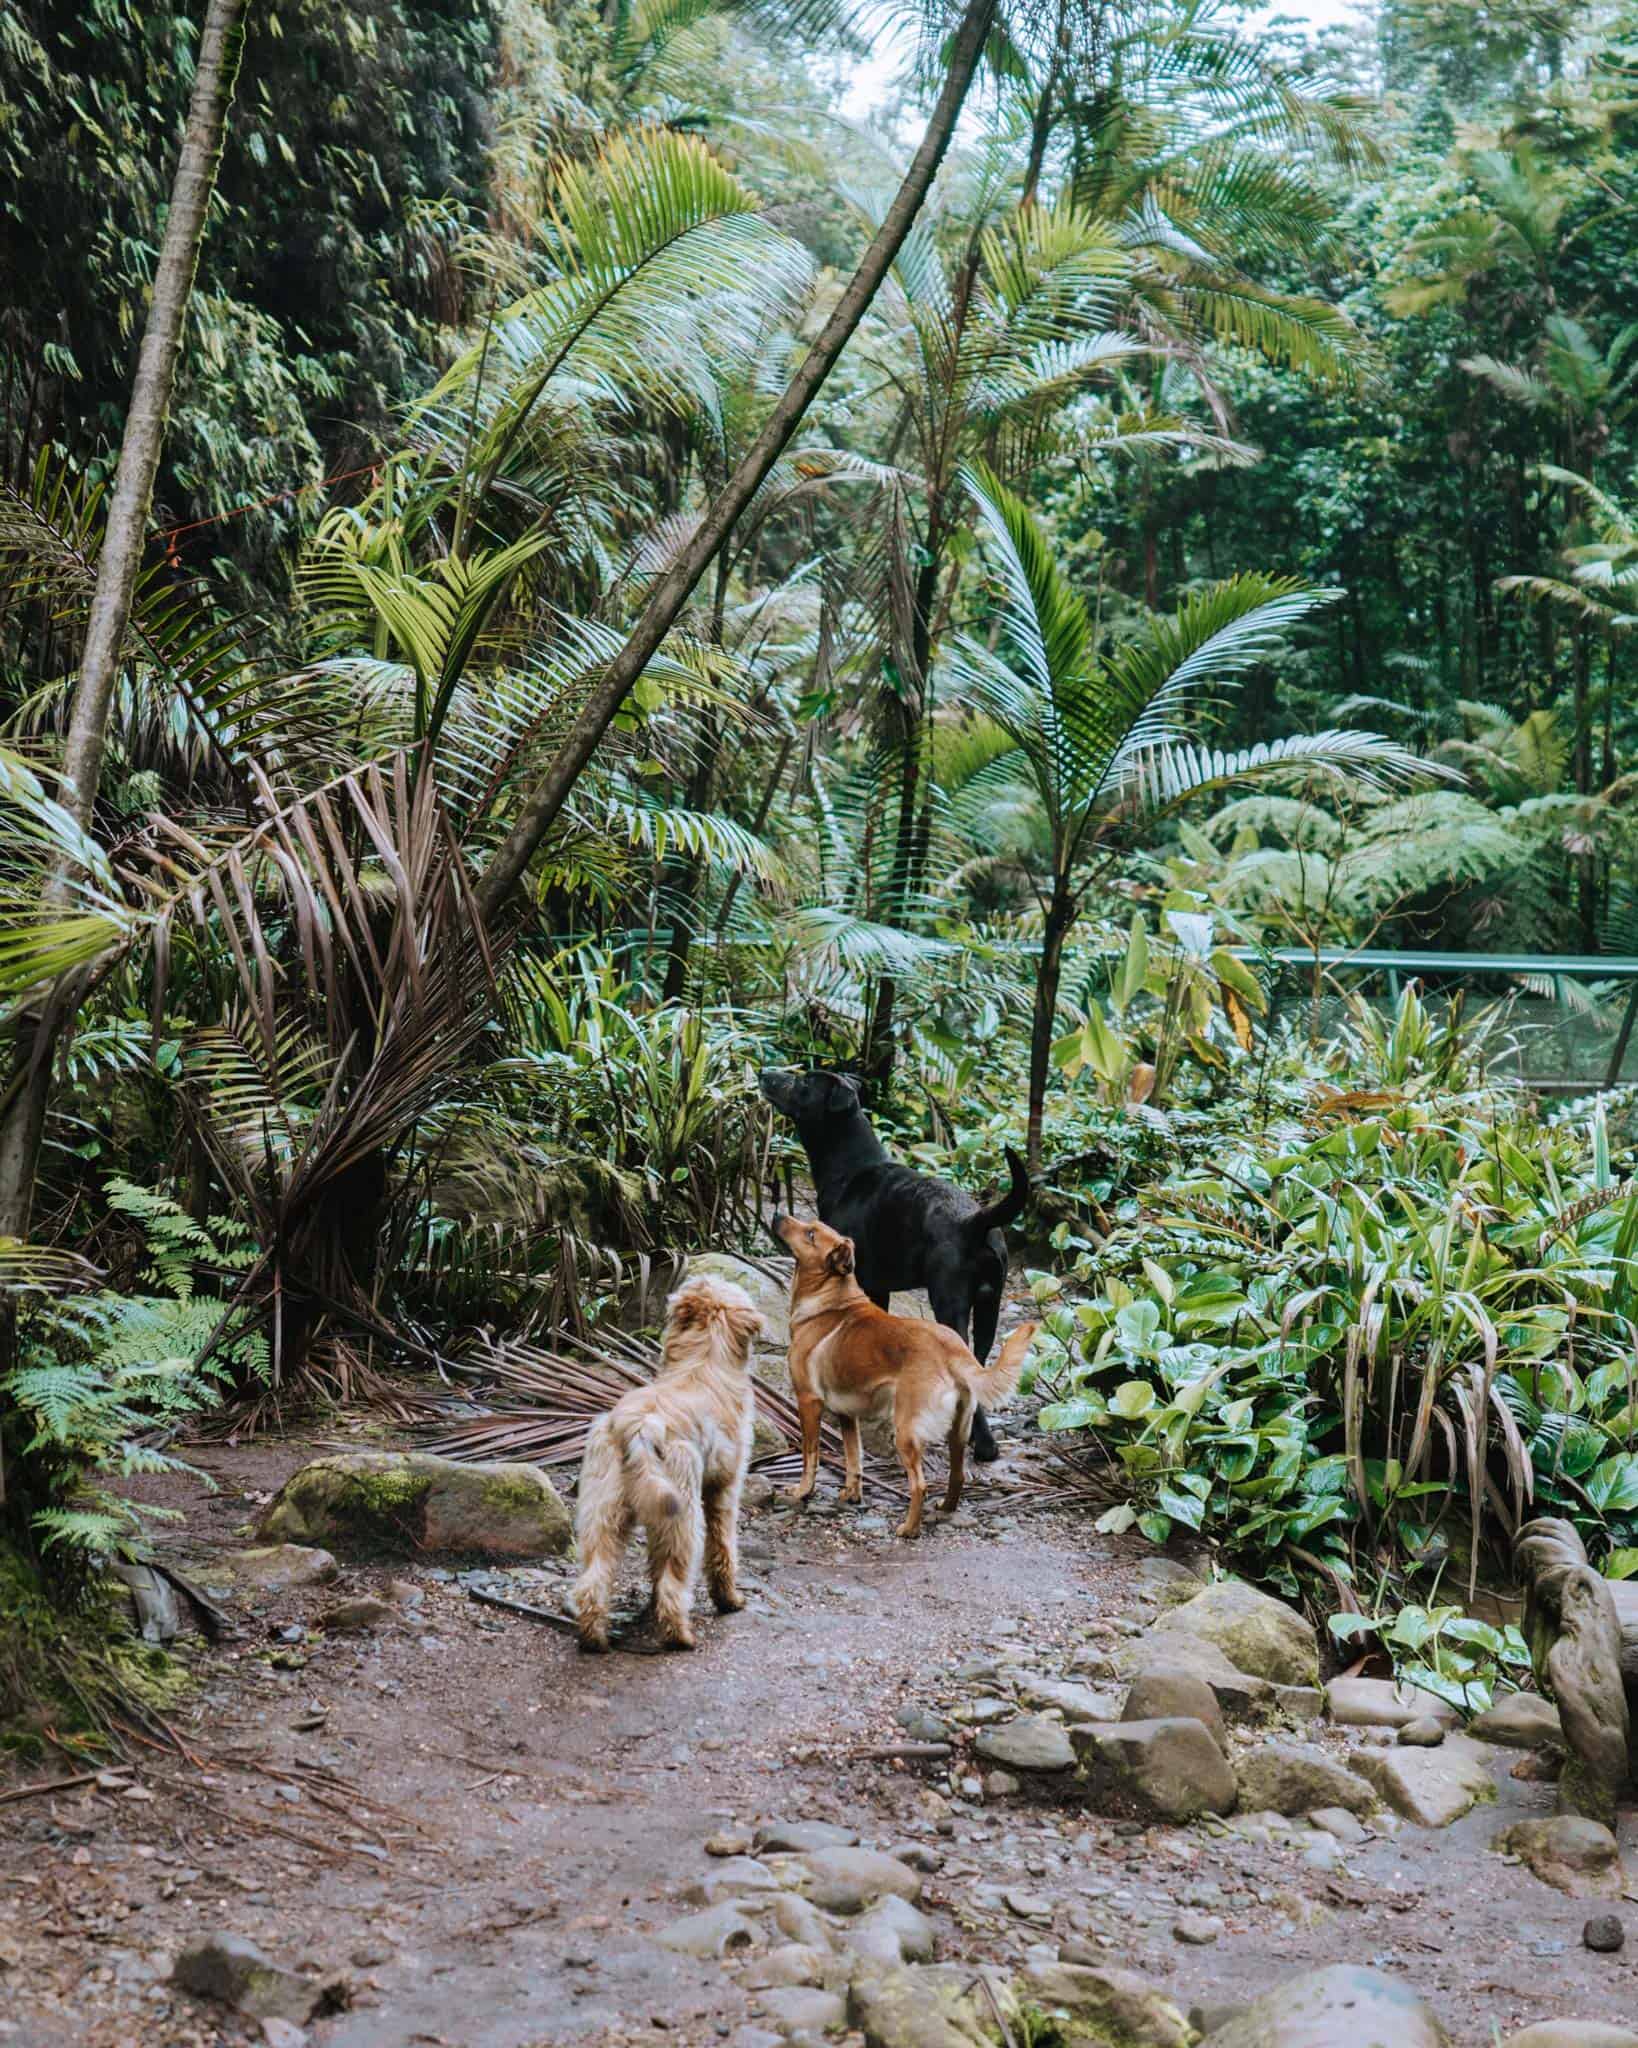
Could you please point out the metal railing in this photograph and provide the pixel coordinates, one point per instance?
(1559, 1045)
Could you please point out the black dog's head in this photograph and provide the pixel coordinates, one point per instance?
(810, 1098)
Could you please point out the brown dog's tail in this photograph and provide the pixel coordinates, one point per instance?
(994, 1382)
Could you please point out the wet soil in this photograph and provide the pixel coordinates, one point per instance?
(482, 1830)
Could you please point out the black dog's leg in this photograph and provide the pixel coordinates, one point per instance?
(953, 1307)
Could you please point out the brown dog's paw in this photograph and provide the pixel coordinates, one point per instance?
(593, 1645)
(908, 1530)
(795, 1494)
(683, 1642)
(728, 1603)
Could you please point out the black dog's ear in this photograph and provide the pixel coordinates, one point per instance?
(844, 1094)
(841, 1259)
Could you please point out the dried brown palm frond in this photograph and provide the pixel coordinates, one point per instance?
(541, 1402)
(362, 983)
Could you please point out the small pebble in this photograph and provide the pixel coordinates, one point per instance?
(1199, 1930)
(1604, 1933)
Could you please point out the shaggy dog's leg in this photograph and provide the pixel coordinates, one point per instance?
(604, 1523)
(722, 1546)
(676, 1542)
(853, 1487)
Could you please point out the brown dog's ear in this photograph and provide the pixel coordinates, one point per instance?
(841, 1259)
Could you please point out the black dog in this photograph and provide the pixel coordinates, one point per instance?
(907, 1230)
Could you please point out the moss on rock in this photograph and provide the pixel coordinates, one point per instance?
(409, 1503)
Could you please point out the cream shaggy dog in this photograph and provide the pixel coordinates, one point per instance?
(671, 1456)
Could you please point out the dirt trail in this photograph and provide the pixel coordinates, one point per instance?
(536, 1815)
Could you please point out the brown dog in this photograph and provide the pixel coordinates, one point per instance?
(853, 1358)
(672, 1456)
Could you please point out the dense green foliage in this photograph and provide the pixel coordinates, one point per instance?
(1215, 535)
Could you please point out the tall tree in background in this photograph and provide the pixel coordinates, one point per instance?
(539, 810)
(22, 1123)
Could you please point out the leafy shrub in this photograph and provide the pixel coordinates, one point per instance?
(103, 1378)
(1375, 1339)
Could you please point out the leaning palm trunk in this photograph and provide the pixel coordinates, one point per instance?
(539, 811)
(39, 1028)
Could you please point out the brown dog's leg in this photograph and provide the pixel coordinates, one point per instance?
(722, 1547)
(811, 1408)
(910, 1458)
(853, 1488)
(958, 1463)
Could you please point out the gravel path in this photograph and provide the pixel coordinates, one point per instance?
(482, 1831)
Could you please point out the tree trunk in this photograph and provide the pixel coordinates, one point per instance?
(540, 809)
(1060, 917)
(1586, 867)
(118, 565)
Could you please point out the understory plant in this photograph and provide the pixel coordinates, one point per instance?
(1373, 1336)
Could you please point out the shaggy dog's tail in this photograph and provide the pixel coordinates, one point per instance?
(651, 1488)
(994, 1382)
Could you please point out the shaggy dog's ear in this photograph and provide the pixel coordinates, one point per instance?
(841, 1259)
(746, 1325)
(844, 1094)
(689, 1308)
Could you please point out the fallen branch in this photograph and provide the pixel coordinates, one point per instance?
(561, 1622)
(55, 1785)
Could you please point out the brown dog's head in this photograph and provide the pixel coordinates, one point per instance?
(713, 1313)
(822, 1255)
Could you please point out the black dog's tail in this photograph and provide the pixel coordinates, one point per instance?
(1011, 1205)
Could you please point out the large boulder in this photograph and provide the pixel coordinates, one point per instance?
(1171, 1770)
(848, 1880)
(1030, 1743)
(408, 1501)
(1431, 1787)
(1257, 1633)
(1296, 1777)
(1345, 2006)
(1165, 1692)
(1383, 1703)
(278, 1568)
(1583, 1634)
(1519, 1720)
(1241, 1696)
(1074, 1702)
(936, 2006)
(1572, 1854)
(235, 1972)
(1097, 2005)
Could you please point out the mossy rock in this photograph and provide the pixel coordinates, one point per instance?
(411, 1503)
(1103, 2008)
(1257, 1633)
